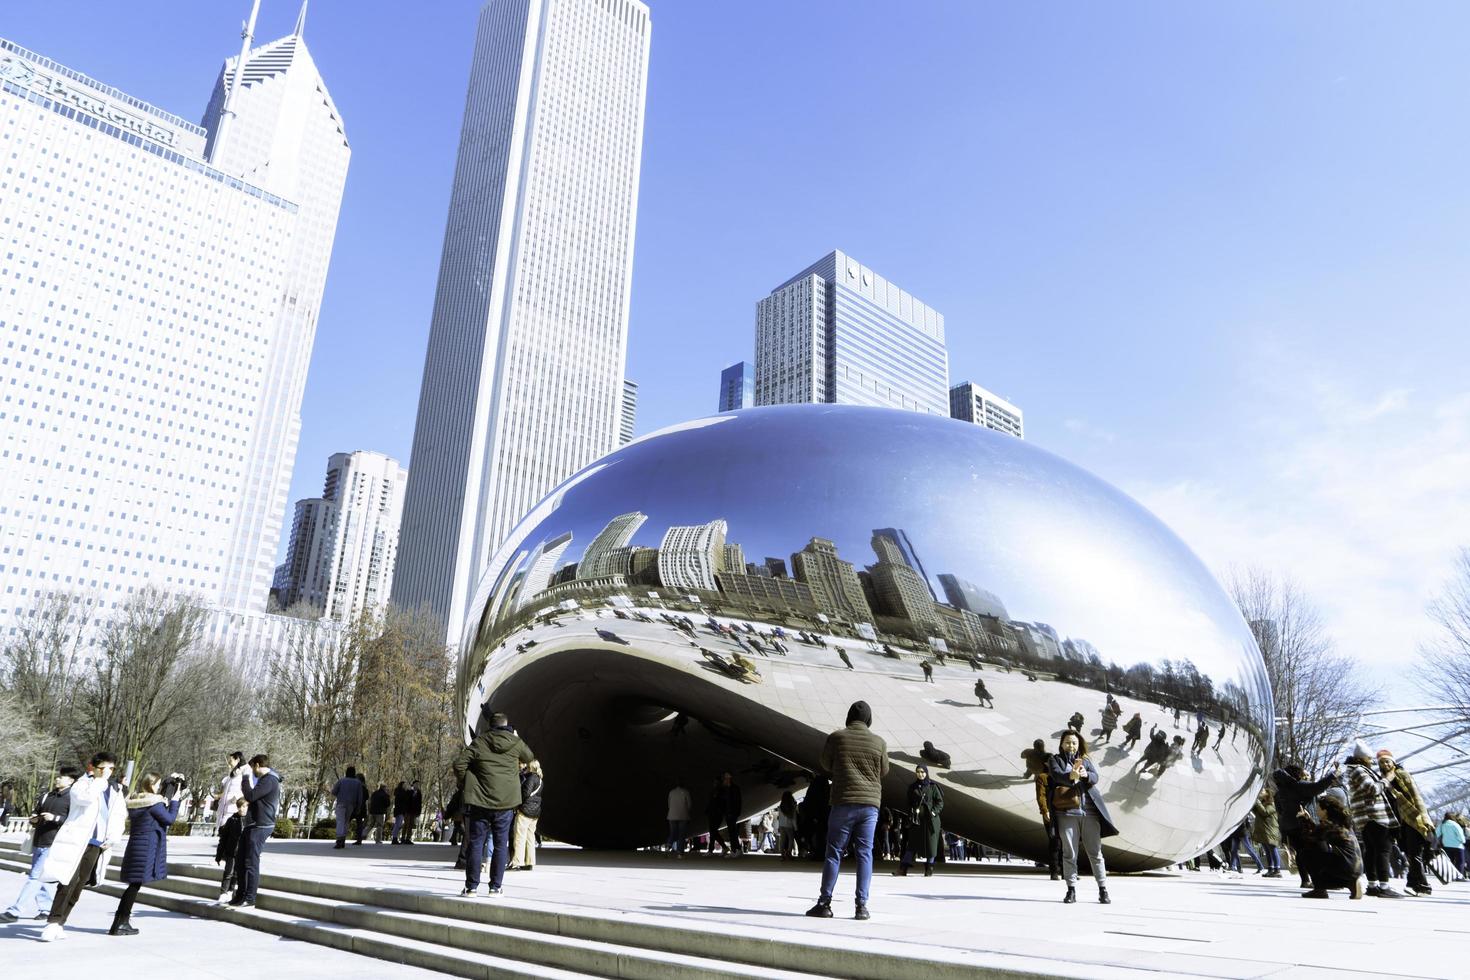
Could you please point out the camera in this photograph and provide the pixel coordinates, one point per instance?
(173, 783)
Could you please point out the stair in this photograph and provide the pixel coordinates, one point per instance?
(489, 938)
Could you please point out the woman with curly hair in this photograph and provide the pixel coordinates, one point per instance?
(1328, 853)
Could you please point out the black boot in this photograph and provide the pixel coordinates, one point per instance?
(124, 928)
(822, 910)
(1071, 896)
(861, 912)
(1102, 895)
(902, 872)
(928, 871)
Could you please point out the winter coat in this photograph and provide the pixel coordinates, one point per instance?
(922, 833)
(87, 796)
(1079, 796)
(349, 793)
(1368, 796)
(1451, 834)
(229, 792)
(379, 802)
(1134, 728)
(1267, 829)
(1407, 804)
(732, 801)
(680, 803)
(56, 803)
(263, 793)
(857, 761)
(146, 857)
(490, 768)
(530, 795)
(229, 838)
(413, 801)
(1293, 794)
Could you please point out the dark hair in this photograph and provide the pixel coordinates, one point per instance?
(260, 759)
(351, 772)
(237, 754)
(70, 772)
(860, 712)
(1081, 742)
(103, 758)
(498, 720)
(150, 783)
(1295, 770)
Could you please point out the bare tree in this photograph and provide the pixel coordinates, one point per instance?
(1320, 695)
(24, 749)
(1444, 667)
(40, 667)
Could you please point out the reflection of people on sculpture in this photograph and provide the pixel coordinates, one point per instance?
(1220, 738)
(1156, 752)
(857, 761)
(938, 757)
(1038, 762)
(1081, 815)
(842, 655)
(928, 669)
(922, 834)
(1327, 849)
(1076, 721)
(1176, 716)
(982, 694)
(1201, 739)
(746, 667)
(1110, 715)
(891, 653)
(1134, 730)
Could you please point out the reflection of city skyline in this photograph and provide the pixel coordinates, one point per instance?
(889, 600)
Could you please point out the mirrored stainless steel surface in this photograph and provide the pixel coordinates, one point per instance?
(712, 597)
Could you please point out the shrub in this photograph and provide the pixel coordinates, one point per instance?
(285, 827)
(324, 829)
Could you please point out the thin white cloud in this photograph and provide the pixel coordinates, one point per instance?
(1089, 431)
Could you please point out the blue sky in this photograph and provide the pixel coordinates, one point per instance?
(1218, 253)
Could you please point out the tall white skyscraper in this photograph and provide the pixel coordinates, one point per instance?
(602, 556)
(969, 402)
(344, 543)
(837, 332)
(628, 418)
(156, 320)
(523, 379)
(689, 556)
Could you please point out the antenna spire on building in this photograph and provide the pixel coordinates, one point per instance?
(301, 20)
(227, 111)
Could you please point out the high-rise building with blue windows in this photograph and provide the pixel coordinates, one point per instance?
(737, 386)
(837, 332)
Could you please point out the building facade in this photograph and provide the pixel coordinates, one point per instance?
(969, 402)
(628, 418)
(344, 543)
(835, 587)
(689, 556)
(608, 553)
(523, 377)
(737, 386)
(839, 333)
(159, 291)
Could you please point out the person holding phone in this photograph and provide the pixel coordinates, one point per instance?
(150, 815)
(1079, 811)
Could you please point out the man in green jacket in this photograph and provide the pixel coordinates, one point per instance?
(856, 760)
(489, 769)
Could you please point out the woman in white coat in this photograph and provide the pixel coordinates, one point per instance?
(230, 789)
(78, 855)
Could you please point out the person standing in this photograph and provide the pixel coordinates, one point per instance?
(856, 760)
(1373, 819)
(378, 805)
(413, 808)
(1081, 815)
(714, 815)
(1416, 832)
(680, 805)
(349, 793)
(360, 816)
(34, 900)
(732, 803)
(1266, 831)
(227, 851)
(261, 789)
(923, 836)
(1038, 764)
(982, 694)
(786, 823)
(523, 845)
(400, 811)
(229, 788)
(1452, 838)
(489, 768)
(1134, 730)
(146, 856)
(94, 823)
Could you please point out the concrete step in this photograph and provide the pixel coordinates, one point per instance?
(449, 944)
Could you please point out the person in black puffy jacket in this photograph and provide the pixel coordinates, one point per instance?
(523, 834)
(146, 857)
(228, 847)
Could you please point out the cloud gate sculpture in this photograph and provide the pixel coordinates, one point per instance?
(712, 597)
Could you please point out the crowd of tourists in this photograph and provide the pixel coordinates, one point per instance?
(1358, 827)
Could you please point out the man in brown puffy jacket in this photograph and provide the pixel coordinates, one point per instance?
(856, 760)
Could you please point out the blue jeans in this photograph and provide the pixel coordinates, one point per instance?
(857, 823)
(484, 827)
(678, 830)
(247, 860)
(35, 895)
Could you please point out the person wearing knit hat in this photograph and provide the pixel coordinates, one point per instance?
(1373, 818)
(1416, 834)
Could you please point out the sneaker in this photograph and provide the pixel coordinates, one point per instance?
(861, 913)
(1071, 897)
(466, 893)
(42, 916)
(822, 910)
(1373, 891)
(1388, 891)
(902, 872)
(1102, 896)
(497, 890)
(52, 932)
(1320, 893)
(8, 917)
(225, 896)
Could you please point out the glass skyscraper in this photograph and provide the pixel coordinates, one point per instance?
(523, 377)
(737, 386)
(837, 332)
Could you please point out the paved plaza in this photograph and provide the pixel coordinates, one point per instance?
(985, 917)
